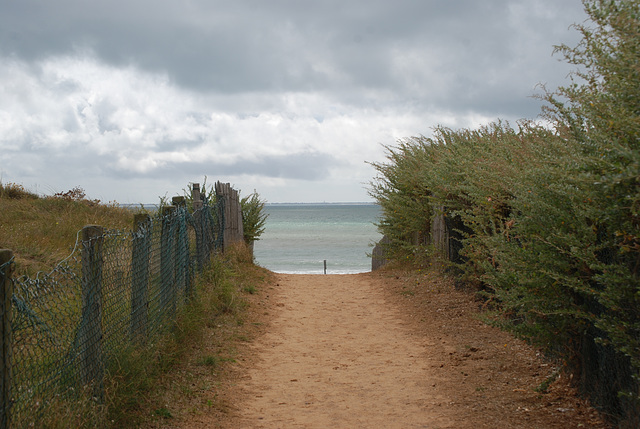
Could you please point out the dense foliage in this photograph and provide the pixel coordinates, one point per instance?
(548, 216)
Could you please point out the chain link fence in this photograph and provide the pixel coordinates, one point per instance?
(117, 289)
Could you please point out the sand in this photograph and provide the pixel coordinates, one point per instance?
(337, 356)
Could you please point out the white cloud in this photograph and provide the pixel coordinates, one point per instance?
(131, 123)
(135, 99)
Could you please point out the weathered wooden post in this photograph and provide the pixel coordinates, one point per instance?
(179, 201)
(140, 276)
(233, 232)
(181, 246)
(198, 225)
(196, 196)
(217, 227)
(379, 254)
(6, 293)
(440, 234)
(91, 356)
(167, 259)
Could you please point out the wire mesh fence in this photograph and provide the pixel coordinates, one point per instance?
(117, 289)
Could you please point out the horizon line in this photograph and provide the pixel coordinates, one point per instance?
(285, 202)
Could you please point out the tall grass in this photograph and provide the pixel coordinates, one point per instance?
(138, 390)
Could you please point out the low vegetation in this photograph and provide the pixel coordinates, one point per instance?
(545, 216)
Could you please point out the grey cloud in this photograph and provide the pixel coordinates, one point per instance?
(329, 46)
(78, 161)
(302, 166)
(307, 166)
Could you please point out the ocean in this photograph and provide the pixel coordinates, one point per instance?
(298, 238)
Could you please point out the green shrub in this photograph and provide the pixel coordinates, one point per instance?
(548, 217)
(253, 217)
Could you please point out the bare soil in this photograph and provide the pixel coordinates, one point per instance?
(385, 349)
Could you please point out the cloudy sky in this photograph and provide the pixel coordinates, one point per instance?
(133, 99)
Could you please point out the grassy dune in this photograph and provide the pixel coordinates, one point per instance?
(41, 231)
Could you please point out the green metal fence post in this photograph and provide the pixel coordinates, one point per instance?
(92, 362)
(6, 293)
(140, 276)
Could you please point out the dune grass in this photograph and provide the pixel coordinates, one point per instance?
(42, 230)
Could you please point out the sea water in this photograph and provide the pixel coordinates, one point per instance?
(298, 238)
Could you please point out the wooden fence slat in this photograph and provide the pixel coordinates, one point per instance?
(440, 234)
(91, 324)
(140, 277)
(198, 226)
(378, 255)
(233, 231)
(167, 260)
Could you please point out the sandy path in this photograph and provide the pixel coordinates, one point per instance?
(376, 350)
(337, 355)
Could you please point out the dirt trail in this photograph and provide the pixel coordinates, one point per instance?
(338, 356)
(385, 350)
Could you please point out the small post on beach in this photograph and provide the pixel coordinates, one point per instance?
(325, 266)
